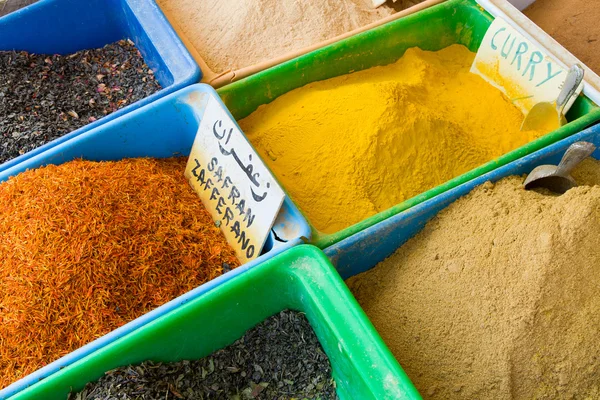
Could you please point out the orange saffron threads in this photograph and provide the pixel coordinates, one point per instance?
(86, 247)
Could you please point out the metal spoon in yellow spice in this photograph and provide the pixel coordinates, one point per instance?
(351, 146)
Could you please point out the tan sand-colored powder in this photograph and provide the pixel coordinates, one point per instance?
(497, 297)
(238, 33)
(8, 6)
(574, 24)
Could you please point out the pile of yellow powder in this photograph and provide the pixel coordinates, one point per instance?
(498, 296)
(349, 147)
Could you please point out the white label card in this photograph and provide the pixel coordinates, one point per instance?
(517, 67)
(233, 183)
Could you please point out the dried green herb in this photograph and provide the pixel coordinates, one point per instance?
(281, 358)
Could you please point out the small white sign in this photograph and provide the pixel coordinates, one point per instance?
(517, 67)
(233, 183)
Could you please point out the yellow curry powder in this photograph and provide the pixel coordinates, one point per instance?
(349, 147)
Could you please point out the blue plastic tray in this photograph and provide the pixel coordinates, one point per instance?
(164, 128)
(362, 251)
(68, 26)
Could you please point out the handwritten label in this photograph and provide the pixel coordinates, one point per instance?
(521, 70)
(233, 183)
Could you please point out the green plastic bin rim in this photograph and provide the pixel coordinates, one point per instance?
(335, 307)
(324, 240)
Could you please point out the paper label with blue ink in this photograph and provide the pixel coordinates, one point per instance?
(234, 184)
(524, 72)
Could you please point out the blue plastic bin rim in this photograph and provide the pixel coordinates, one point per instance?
(37, 160)
(173, 53)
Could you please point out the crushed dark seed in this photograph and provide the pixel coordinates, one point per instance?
(281, 358)
(43, 97)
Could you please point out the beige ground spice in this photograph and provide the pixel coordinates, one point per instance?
(238, 33)
(574, 24)
(497, 297)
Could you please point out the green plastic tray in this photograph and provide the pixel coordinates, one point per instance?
(455, 21)
(301, 279)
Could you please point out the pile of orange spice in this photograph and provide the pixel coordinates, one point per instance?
(86, 247)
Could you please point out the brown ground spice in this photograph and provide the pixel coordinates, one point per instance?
(234, 34)
(86, 247)
(572, 23)
(497, 297)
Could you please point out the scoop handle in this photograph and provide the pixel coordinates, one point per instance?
(573, 156)
(570, 85)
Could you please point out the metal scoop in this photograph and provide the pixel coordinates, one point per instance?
(547, 117)
(557, 179)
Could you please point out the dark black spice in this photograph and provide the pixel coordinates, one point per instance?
(279, 359)
(43, 97)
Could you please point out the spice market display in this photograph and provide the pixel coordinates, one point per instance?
(444, 154)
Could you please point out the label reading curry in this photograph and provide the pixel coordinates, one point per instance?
(235, 186)
(519, 68)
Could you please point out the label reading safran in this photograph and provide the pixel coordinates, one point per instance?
(233, 183)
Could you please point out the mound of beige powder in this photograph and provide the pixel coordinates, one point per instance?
(234, 34)
(498, 297)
